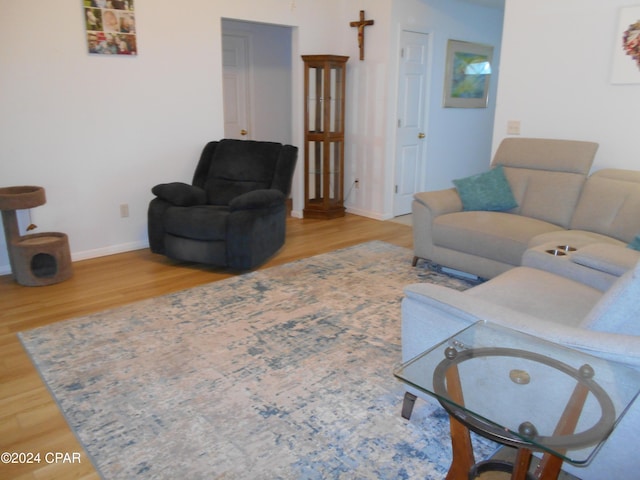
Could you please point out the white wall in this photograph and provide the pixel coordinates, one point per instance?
(366, 129)
(555, 77)
(458, 140)
(99, 131)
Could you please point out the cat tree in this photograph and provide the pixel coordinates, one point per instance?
(36, 259)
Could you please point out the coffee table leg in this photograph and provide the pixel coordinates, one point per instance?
(463, 458)
(521, 465)
(550, 465)
(407, 405)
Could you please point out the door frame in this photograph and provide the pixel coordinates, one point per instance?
(292, 134)
(426, 87)
(247, 39)
(271, 69)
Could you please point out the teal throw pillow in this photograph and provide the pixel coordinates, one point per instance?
(486, 191)
(635, 243)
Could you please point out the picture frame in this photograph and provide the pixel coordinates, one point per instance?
(467, 74)
(110, 27)
(626, 48)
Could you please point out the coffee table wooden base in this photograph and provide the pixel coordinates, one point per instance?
(463, 461)
(565, 413)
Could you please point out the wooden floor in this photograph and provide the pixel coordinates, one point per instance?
(30, 422)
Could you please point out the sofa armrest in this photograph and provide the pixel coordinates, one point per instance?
(180, 194)
(436, 305)
(440, 202)
(255, 199)
(608, 258)
(426, 207)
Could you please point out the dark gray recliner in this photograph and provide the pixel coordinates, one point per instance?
(234, 213)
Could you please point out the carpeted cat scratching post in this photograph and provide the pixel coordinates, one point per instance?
(36, 259)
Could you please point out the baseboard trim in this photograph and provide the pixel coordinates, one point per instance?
(369, 214)
(95, 253)
(110, 250)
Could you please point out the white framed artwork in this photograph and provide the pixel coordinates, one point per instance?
(110, 27)
(626, 50)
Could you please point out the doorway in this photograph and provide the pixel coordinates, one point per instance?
(235, 86)
(411, 137)
(257, 81)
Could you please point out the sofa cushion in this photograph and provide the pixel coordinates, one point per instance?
(545, 195)
(546, 175)
(550, 154)
(486, 191)
(200, 222)
(239, 167)
(609, 204)
(608, 258)
(539, 294)
(499, 236)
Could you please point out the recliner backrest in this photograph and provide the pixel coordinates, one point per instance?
(546, 175)
(229, 168)
(609, 204)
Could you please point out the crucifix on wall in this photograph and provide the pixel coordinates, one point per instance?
(360, 24)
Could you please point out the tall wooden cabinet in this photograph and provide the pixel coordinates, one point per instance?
(324, 92)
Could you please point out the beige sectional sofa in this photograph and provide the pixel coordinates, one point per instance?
(586, 297)
(558, 203)
(551, 307)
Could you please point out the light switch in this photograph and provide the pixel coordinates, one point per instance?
(513, 127)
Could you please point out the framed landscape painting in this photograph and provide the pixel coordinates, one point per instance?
(467, 74)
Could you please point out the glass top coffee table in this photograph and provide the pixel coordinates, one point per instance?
(521, 391)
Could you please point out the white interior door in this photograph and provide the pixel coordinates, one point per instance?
(235, 72)
(411, 137)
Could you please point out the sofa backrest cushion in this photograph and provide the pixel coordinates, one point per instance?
(610, 204)
(618, 311)
(548, 196)
(546, 175)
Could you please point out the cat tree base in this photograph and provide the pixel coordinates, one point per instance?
(38, 259)
(41, 259)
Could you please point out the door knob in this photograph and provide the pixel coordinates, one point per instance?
(243, 132)
(421, 135)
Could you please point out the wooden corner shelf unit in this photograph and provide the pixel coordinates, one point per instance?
(324, 91)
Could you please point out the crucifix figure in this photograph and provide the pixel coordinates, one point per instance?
(361, 24)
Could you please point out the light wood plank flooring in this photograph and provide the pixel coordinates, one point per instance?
(30, 421)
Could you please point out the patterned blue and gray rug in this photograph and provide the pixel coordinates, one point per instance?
(284, 373)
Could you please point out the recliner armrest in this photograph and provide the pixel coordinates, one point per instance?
(180, 194)
(257, 199)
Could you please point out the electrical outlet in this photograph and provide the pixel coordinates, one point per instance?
(124, 210)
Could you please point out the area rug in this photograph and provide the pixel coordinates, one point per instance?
(283, 373)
